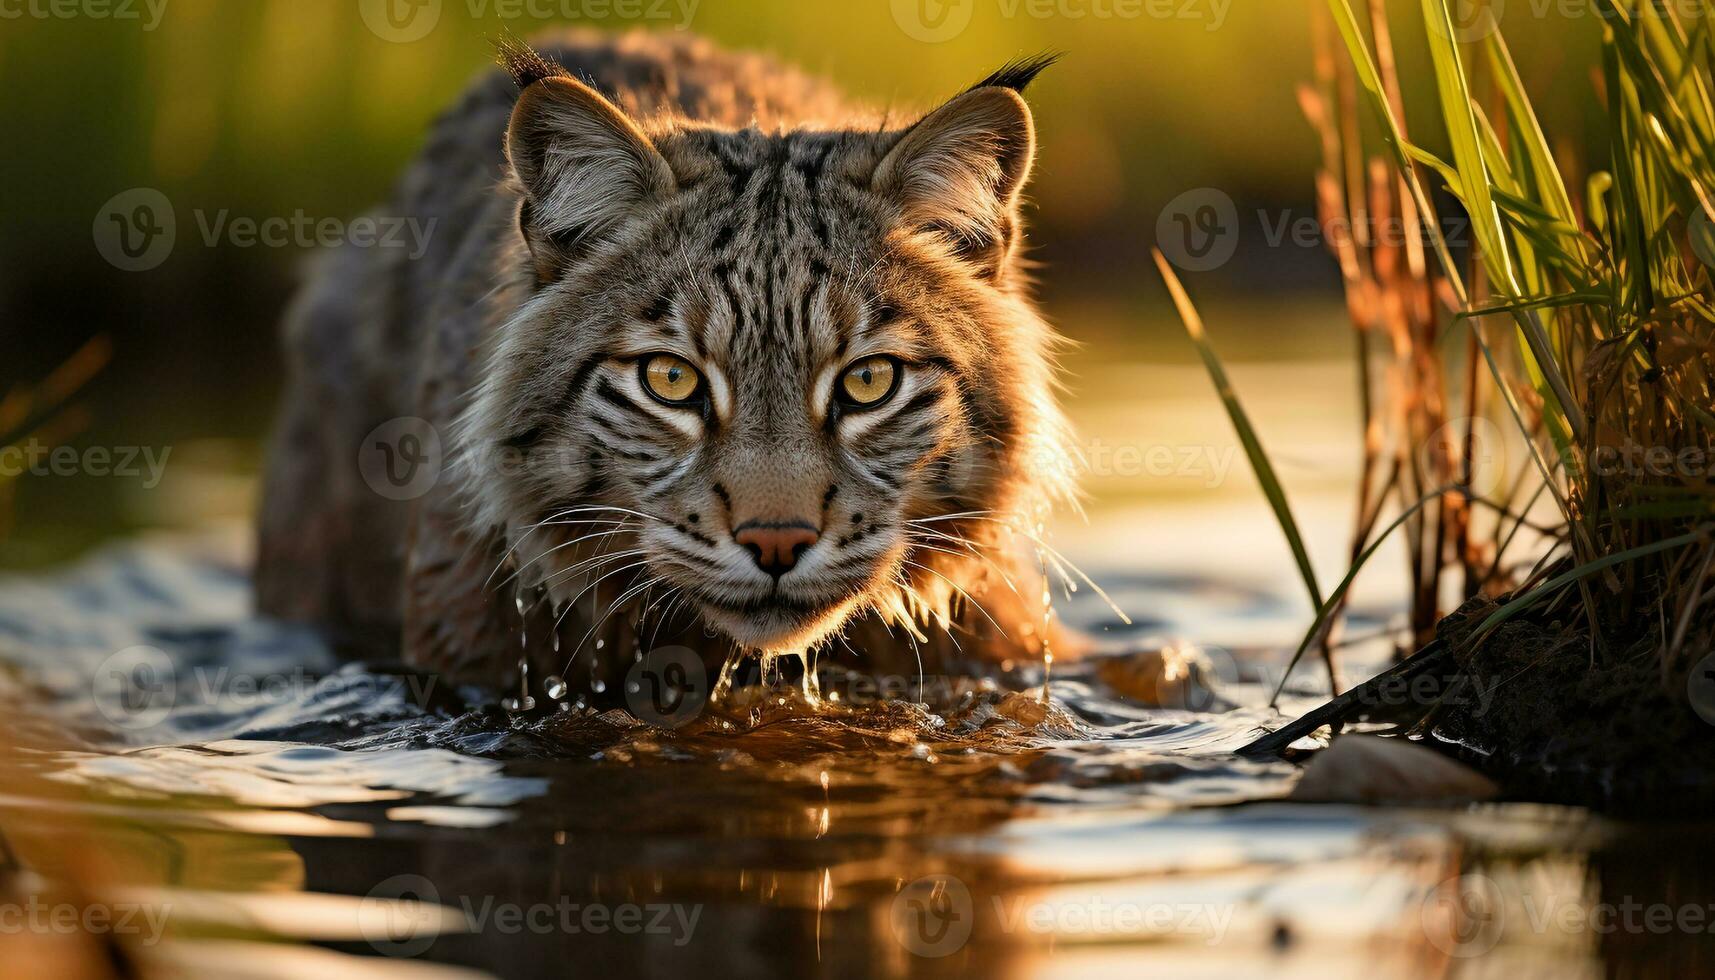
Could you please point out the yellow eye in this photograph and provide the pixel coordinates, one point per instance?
(870, 381)
(670, 378)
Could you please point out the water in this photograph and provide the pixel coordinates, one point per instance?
(247, 804)
(279, 810)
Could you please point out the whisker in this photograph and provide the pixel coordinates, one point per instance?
(961, 592)
(605, 556)
(908, 619)
(612, 608)
(673, 594)
(560, 547)
(580, 509)
(974, 552)
(607, 575)
(938, 518)
(1061, 562)
(605, 507)
(527, 531)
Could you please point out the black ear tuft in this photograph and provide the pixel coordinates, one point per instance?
(1020, 72)
(523, 63)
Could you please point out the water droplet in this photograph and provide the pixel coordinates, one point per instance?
(600, 643)
(598, 685)
(555, 686)
(523, 702)
(518, 601)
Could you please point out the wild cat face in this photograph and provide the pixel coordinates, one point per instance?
(743, 363)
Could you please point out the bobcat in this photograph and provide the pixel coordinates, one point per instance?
(714, 358)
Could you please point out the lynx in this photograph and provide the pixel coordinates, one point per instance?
(712, 357)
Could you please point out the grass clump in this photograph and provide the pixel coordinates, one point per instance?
(1578, 322)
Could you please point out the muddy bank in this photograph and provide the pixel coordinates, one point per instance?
(1609, 724)
(1546, 713)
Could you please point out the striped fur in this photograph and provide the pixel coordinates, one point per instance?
(770, 235)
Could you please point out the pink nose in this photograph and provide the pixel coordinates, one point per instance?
(775, 547)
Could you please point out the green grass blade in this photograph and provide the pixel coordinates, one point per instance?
(1653, 91)
(1473, 164)
(1622, 197)
(1260, 465)
(1545, 176)
(1435, 163)
(1589, 568)
(1335, 598)
(1533, 302)
(1364, 67)
(1509, 399)
(1459, 116)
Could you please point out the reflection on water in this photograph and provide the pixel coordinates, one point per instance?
(263, 810)
(285, 800)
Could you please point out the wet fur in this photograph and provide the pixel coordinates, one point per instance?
(777, 232)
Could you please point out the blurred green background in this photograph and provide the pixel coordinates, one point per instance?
(271, 108)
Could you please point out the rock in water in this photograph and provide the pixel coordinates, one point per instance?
(1372, 769)
(1174, 676)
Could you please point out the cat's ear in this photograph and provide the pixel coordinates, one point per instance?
(584, 165)
(960, 171)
